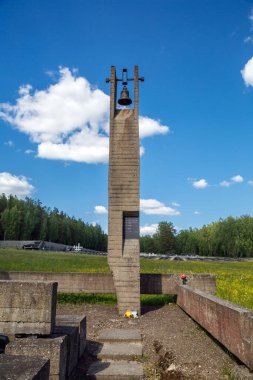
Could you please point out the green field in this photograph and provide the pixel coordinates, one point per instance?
(234, 279)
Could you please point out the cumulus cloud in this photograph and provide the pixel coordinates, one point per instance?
(142, 150)
(148, 229)
(15, 185)
(247, 73)
(251, 17)
(200, 184)
(175, 204)
(250, 182)
(225, 183)
(196, 212)
(149, 127)
(155, 207)
(100, 210)
(29, 151)
(9, 143)
(84, 146)
(248, 39)
(69, 120)
(237, 179)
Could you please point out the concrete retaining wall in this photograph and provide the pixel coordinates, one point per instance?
(103, 282)
(168, 283)
(229, 323)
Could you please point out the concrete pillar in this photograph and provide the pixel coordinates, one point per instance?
(123, 202)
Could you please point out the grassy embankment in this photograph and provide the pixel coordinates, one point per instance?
(234, 279)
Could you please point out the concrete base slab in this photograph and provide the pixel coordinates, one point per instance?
(115, 370)
(23, 368)
(76, 321)
(53, 348)
(120, 351)
(27, 307)
(120, 335)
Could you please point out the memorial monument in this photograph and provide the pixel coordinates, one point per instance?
(124, 192)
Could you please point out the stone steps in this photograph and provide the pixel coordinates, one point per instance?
(121, 370)
(120, 351)
(120, 347)
(120, 335)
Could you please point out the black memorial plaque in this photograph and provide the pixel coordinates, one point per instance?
(131, 225)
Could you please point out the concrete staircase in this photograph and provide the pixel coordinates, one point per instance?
(117, 356)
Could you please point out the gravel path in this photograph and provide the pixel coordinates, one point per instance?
(175, 347)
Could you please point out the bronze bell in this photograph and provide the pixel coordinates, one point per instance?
(124, 99)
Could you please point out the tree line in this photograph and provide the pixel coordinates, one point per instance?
(30, 220)
(230, 237)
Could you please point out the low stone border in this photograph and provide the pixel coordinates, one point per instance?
(74, 282)
(230, 324)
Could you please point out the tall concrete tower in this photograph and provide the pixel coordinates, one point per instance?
(124, 193)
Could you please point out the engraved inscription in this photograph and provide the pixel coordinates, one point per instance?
(131, 226)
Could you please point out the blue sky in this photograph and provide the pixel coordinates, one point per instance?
(196, 104)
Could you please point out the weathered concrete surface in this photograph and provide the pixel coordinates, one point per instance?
(229, 323)
(27, 307)
(53, 348)
(23, 368)
(116, 370)
(120, 351)
(75, 321)
(123, 198)
(103, 282)
(120, 335)
(168, 283)
(68, 282)
(72, 333)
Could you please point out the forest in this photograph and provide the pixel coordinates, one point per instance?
(230, 237)
(30, 220)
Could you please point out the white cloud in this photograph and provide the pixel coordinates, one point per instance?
(15, 185)
(142, 150)
(201, 184)
(25, 89)
(149, 127)
(237, 179)
(197, 212)
(85, 146)
(9, 143)
(250, 182)
(154, 207)
(175, 204)
(247, 73)
(29, 151)
(225, 183)
(69, 120)
(100, 210)
(248, 39)
(148, 229)
(251, 17)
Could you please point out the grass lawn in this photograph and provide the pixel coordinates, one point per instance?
(234, 279)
